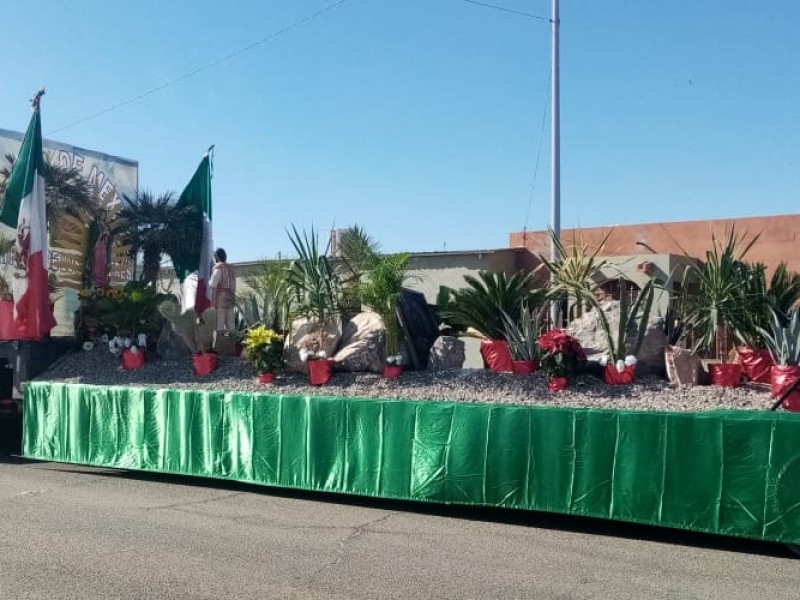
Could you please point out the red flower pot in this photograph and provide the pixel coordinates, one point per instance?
(319, 371)
(131, 361)
(204, 364)
(7, 329)
(781, 377)
(496, 356)
(392, 371)
(266, 378)
(557, 384)
(524, 367)
(614, 377)
(725, 374)
(757, 364)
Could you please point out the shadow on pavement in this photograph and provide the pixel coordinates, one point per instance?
(525, 518)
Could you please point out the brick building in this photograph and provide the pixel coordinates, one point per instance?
(778, 240)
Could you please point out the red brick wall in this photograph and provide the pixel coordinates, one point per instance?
(778, 238)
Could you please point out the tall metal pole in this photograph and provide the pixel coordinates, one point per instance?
(555, 125)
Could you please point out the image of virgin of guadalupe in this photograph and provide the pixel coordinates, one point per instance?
(98, 260)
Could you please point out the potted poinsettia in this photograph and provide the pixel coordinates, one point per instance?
(264, 349)
(561, 356)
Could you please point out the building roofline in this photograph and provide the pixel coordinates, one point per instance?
(52, 144)
(651, 223)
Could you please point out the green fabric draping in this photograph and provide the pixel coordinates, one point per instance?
(727, 472)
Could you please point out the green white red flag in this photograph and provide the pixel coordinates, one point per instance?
(24, 211)
(198, 193)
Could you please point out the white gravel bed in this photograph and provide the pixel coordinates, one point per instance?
(99, 367)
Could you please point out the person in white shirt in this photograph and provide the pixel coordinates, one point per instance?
(223, 286)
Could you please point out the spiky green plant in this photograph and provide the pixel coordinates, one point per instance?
(783, 338)
(381, 291)
(571, 273)
(154, 226)
(356, 254)
(482, 303)
(66, 190)
(632, 321)
(313, 284)
(522, 333)
(268, 300)
(714, 296)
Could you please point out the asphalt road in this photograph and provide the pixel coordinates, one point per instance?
(73, 532)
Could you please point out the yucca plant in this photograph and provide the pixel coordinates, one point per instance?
(714, 296)
(522, 334)
(312, 282)
(268, 301)
(571, 273)
(482, 303)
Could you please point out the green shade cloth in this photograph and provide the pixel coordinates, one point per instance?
(728, 472)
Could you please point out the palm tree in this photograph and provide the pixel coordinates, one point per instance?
(486, 298)
(154, 226)
(66, 191)
(356, 253)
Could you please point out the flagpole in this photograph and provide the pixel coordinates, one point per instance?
(555, 214)
(37, 99)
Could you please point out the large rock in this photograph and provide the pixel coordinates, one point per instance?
(591, 336)
(170, 346)
(308, 334)
(362, 346)
(447, 352)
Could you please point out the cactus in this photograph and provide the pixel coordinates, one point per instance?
(196, 331)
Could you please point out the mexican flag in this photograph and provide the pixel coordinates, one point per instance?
(198, 193)
(23, 210)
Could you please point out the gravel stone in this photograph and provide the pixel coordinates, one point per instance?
(99, 367)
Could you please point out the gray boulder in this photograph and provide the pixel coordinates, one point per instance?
(362, 345)
(447, 352)
(170, 346)
(590, 334)
(309, 335)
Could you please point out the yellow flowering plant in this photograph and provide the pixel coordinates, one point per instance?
(264, 349)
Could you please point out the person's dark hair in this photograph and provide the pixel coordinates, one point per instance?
(220, 255)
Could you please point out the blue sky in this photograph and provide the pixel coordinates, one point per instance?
(421, 119)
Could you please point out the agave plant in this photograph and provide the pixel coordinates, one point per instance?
(522, 334)
(482, 303)
(313, 284)
(783, 338)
